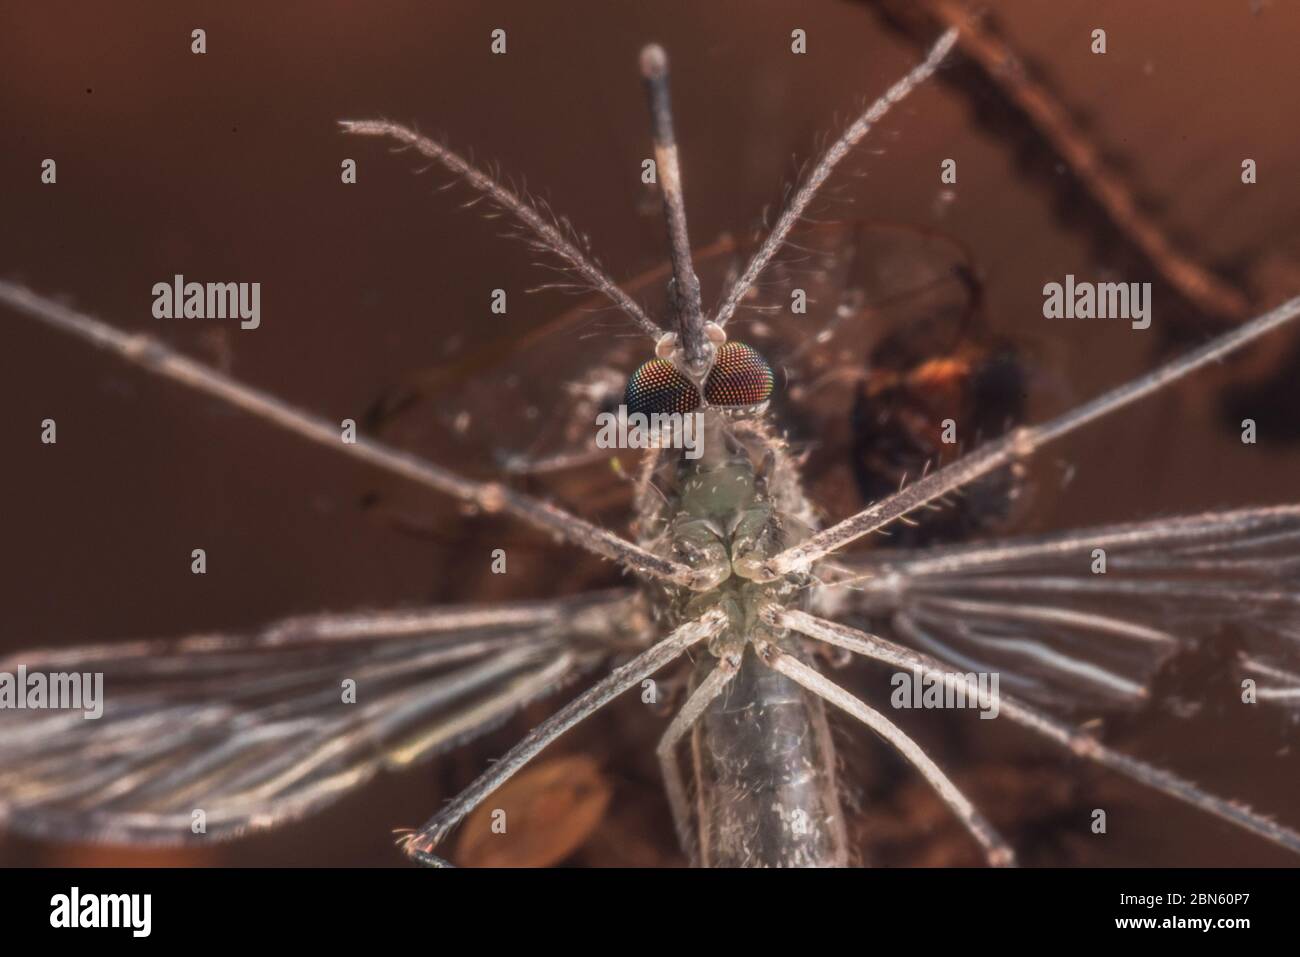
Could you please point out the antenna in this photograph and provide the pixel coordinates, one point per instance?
(684, 292)
(850, 138)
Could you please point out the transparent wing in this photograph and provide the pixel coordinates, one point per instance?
(856, 367)
(863, 282)
(1041, 613)
(894, 342)
(258, 729)
(523, 407)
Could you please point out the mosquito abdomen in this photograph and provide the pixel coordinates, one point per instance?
(765, 774)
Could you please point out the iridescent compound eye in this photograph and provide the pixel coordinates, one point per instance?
(657, 386)
(740, 376)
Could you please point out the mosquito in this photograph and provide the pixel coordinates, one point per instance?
(735, 570)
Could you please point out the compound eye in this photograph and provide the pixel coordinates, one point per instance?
(740, 376)
(657, 386)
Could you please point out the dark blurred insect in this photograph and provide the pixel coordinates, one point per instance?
(734, 565)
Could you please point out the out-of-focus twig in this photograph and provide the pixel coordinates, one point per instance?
(996, 58)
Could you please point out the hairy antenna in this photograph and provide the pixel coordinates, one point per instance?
(837, 151)
(548, 235)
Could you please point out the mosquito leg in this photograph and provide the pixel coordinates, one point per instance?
(821, 172)
(1084, 745)
(153, 355)
(1206, 533)
(700, 698)
(550, 236)
(697, 350)
(1017, 445)
(587, 616)
(420, 844)
(997, 852)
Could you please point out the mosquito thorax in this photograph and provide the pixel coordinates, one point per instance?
(725, 517)
(746, 605)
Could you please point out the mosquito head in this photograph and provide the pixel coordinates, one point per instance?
(740, 380)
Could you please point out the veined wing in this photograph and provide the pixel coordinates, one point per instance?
(258, 729)
(1042, 613)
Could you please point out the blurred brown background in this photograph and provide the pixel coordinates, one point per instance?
(226, 167)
